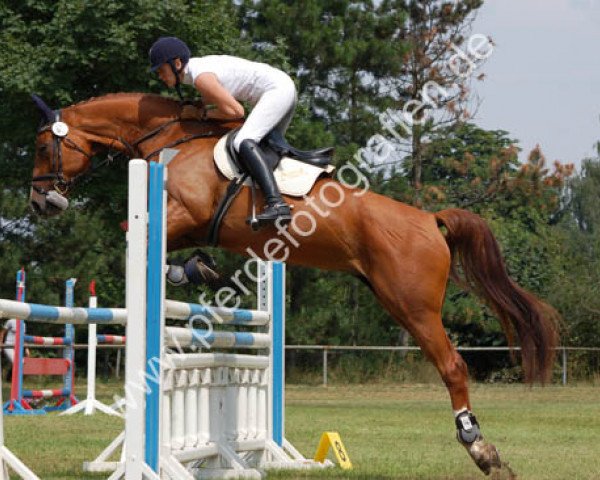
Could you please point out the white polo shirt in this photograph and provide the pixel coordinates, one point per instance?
(11, 331)
(245, 80)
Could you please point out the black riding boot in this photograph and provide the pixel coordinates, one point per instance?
(257, 166)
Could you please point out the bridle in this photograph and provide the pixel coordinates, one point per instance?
(60, 132)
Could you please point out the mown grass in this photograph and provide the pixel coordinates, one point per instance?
(390, 431)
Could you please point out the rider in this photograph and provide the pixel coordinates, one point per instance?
(224, 81)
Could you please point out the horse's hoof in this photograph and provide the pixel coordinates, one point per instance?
(486, 457)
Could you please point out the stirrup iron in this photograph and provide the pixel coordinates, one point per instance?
(252, 220)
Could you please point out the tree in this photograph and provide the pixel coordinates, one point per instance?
(69, 51)
(433, 86)
(583, 199)
(469, 167)
(574, 287)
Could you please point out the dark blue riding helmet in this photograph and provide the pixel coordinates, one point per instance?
(167, 49)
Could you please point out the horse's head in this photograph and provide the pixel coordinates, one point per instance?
(62, 154)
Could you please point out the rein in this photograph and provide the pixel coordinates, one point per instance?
(185, 139)
(160, 128)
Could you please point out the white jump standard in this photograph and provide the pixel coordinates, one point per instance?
(215, 414)
(91, 403)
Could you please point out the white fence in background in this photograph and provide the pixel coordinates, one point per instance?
(562, 355)
(562, 352)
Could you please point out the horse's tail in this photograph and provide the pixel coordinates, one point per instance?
(473, 245)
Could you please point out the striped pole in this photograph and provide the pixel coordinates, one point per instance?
(69, 353)
(218, 315)
(111, 339)
(19, 347)
(48, 340)
(33, 312)
(18, 404)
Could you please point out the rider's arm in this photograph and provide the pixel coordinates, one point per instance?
(213, 93)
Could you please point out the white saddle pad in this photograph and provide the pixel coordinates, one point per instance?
(293, 177)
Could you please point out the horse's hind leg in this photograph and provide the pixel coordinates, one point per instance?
(416, 302)
(428, 331)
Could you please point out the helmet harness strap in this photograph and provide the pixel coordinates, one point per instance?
(177, 80)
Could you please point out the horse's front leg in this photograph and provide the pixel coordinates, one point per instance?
(199, 268)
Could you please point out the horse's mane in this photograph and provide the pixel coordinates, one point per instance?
(128, 95)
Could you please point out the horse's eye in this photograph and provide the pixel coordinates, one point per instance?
(42, 148)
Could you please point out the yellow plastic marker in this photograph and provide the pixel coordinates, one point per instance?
(333, 440)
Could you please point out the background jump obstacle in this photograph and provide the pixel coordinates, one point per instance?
(20, 402)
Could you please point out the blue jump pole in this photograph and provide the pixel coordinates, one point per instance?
(155, 311)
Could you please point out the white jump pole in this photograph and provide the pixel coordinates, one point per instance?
(134, 466)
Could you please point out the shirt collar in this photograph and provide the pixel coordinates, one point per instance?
(187, 76)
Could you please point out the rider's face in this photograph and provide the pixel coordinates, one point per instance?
(165, 73)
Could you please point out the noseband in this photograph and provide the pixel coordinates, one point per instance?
(60, 132)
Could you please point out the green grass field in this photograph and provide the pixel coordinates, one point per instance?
(390, 432)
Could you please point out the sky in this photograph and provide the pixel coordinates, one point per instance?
(543, 80)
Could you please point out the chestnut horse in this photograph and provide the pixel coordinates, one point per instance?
(397, 250)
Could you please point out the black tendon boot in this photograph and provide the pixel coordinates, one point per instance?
(257, 166)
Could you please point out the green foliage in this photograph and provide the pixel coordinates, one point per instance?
(574, 290)
(584, 198)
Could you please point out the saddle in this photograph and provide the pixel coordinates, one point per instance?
(276, 147)
(295, 171)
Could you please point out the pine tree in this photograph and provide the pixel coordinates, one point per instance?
(433, 85)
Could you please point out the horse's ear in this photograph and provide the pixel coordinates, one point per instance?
(46, 111)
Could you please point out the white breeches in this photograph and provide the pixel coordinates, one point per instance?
(274, 109)
(9, 353)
